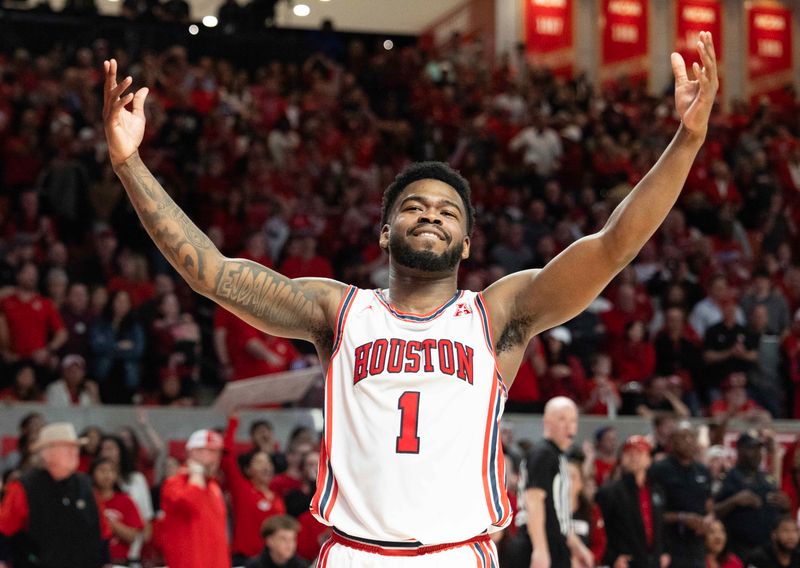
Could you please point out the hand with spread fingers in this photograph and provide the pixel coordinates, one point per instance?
(695, 99)
(124, 128)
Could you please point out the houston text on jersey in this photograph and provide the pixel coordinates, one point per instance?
(400, 356)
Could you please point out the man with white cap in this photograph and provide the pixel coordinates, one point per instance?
(194, 529)
(72, 389)
(55, 508)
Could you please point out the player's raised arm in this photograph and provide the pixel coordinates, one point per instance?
(532, 301)
(301, 309)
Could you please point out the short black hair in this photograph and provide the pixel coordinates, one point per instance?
(428, 170)
(256, 424)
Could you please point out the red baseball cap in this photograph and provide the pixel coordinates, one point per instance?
(637, 442)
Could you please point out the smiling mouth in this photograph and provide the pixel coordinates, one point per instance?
(432, 232)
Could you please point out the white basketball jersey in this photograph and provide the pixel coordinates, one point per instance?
(411, 448)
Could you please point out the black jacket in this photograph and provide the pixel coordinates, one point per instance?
(622, 517)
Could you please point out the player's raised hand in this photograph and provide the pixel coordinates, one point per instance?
(124, 128)
(695, 99)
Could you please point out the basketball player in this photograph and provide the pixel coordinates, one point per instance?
(411, 470)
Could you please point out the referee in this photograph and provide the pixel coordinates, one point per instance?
(547, 492)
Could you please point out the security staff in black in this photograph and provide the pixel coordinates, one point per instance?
(686, 485)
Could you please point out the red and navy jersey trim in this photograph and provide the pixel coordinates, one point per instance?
(417, 317)
(342, 316)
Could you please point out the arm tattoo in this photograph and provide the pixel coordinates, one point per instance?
(265, 294)
(184, 245)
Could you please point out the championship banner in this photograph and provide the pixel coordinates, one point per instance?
(693, 17)
(624, 47)
(769, 48)
(549, 35)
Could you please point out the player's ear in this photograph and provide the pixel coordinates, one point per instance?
(465, 252)
(383, 240)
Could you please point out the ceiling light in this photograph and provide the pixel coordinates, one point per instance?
(388, 44)
(194, 30)
(210, 21)
(301, 10)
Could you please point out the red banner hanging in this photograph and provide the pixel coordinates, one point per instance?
(769, 49)
(693, 17)
(624, 39)
(549, 37)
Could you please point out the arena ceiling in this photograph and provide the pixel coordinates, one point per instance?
(376, 16)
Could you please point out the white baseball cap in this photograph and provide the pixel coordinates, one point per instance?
(208, 439)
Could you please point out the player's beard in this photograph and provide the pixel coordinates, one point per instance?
(402, 253)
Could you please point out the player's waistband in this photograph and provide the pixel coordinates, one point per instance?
(388, 548)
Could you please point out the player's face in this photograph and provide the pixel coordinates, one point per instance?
(428, 228)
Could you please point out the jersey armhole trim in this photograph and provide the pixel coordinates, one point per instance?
(341, 317)
(486, 322)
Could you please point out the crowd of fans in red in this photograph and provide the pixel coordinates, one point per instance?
(286, 166)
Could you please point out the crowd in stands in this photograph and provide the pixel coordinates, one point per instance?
(286, 165)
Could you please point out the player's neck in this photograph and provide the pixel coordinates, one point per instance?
(420, 295)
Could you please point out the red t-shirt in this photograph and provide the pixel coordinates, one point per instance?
(250, 506)
(121, 508)
(194, 529)
(283, 484)
(311, 536)
(603, 470)
(238, 334)
(31, 323)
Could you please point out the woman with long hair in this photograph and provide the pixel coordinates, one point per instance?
(117, 341)
(717, 553)
(132, 482)
(119, 509)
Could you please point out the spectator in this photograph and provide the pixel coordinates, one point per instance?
(686, 484)
(30, 326)
(29, 428)
(132, 482)
(246, 352)
(633, 512)
(25, 387)
(606, 449)
(547, 513)
(603, 397)
(280, 544)
(659, 398)
(302, 260)
(709, 310)
(512, 253)
(782, 551)
(634, 358)
(117, 342)
(525, 394)
(717, 553)
(293, 477)
(735, 402)
(176, 339)
(748, 503)
(262, 435)
(252, 499)
(764, 294)
(677, 347)
(565, 375)
(540, 145)
(120, 511)
(728, 348)
(77, 320)
(56, 508)
(298, 500)
(73, 388)
(193, 531)
(764, 377)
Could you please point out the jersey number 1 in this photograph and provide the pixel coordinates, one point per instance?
(408, 441)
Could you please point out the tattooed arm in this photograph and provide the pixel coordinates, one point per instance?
(303, 308)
